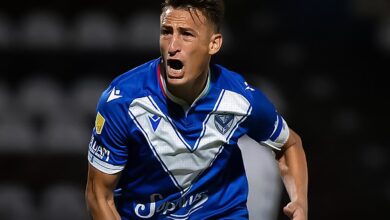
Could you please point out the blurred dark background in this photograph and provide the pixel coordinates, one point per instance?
(323, 63)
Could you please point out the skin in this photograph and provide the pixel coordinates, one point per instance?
(99, 194)
(186, 36)
(293, 169)
(189, 37)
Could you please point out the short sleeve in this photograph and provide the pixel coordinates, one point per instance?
(265, 124)
(108, 149)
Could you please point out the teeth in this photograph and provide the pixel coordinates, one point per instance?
(175, 71)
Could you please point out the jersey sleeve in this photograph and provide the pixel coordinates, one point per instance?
(108, 149)
(265, 124)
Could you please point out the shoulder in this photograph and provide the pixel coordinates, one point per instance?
(227, 79)
(233, 81)
(263, 115)
(137, 78)
(132, 83)
(127, 86)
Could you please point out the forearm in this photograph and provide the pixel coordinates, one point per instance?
(99, 195)
(102, 208)
(293, 168)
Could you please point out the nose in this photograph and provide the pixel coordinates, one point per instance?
(174, 45)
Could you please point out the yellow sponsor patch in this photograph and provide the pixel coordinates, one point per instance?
(99, 123)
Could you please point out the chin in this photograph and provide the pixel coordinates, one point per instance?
(176, 81)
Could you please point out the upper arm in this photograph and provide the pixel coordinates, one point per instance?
(266, 125)
(291, 149)
(293, 139)
(101, 185)
(108, 148)
(107, 154)
(99, 194)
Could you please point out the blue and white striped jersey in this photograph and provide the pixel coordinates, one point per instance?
(177, 161)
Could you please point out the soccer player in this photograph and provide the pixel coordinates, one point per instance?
(164, 145)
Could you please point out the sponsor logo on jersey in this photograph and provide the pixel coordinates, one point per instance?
(223, 122)
(99, 123)
(193, 203)
(100, 152)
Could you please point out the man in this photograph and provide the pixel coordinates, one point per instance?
(164, 144)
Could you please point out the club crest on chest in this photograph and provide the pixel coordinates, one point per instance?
(223, 122)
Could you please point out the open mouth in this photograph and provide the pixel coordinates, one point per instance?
(175, 64)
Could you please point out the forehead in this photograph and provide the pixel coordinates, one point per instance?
(183, 17)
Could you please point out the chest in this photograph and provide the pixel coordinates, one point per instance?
(210, 123)
(185, 147)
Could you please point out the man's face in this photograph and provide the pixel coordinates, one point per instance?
(185, 41)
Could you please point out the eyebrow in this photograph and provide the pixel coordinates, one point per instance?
(186, 29)
(181, 29)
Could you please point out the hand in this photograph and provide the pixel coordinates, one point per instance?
(295, 211)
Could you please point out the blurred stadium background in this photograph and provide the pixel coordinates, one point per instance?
(322, 62)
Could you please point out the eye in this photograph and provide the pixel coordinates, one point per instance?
(188, 34)
(165, 31)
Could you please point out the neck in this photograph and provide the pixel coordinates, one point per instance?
(189, 91)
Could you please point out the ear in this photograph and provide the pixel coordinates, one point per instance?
(215, 43)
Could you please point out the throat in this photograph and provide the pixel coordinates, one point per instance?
(187, 95)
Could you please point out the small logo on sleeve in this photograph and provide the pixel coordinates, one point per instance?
(98, 151)
(114, 94)
(99, 123)
(248, 87)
